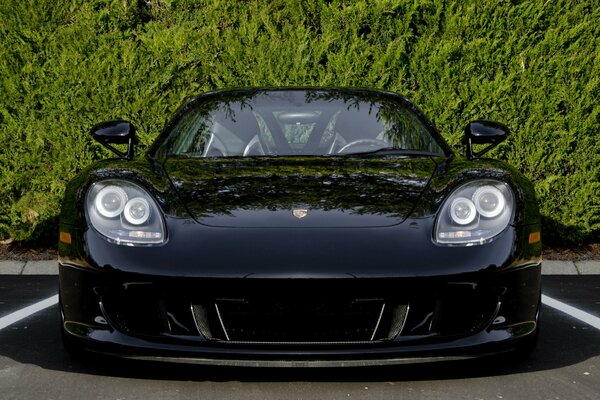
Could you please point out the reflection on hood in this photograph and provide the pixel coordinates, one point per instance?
(264, 192)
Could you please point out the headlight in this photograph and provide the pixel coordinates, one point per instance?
(110, 201)
(137, 211)
(462, 211)
(124, 213)
(475, 213)
(489, 201)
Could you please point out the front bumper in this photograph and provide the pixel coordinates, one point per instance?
(152, 318)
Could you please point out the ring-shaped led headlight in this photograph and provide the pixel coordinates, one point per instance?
(124, 213)
(137, 211)
(475, 213)
(110, 201)
(489, 201)
(462, 211)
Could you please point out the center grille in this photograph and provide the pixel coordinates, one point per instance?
(289, 320)
(300, 311)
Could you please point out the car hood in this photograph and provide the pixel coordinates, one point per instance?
(300, 192)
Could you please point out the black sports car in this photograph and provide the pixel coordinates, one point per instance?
(300, 227)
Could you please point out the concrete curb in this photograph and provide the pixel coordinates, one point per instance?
(45, 267)
(588, 267)
(549, 267)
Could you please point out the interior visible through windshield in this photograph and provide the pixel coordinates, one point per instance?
(297, 122)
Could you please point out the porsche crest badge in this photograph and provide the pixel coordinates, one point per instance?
(299, 212)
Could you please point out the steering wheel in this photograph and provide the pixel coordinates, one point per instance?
(369, 144)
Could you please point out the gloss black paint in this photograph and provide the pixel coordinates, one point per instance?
(230, 229)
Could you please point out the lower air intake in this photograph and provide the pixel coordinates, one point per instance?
(293, 321)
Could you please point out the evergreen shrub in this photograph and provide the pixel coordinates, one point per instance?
(66, 65)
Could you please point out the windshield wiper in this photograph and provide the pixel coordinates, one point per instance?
(390, 151)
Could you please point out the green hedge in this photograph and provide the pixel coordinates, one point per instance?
(65, 65)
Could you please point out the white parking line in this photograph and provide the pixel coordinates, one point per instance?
(572, 311)
(27, 311)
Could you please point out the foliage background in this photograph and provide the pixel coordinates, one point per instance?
(66, 65)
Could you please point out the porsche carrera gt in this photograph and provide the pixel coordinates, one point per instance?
(300, 227)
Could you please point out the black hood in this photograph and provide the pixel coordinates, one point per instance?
(300, 192)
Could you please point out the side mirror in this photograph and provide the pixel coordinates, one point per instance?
(482, 132)
(116, 132)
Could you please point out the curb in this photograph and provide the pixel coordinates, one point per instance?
(549, 267)
(45, 267)
(588, 267)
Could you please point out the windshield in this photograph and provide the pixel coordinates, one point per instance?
(298, 122)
